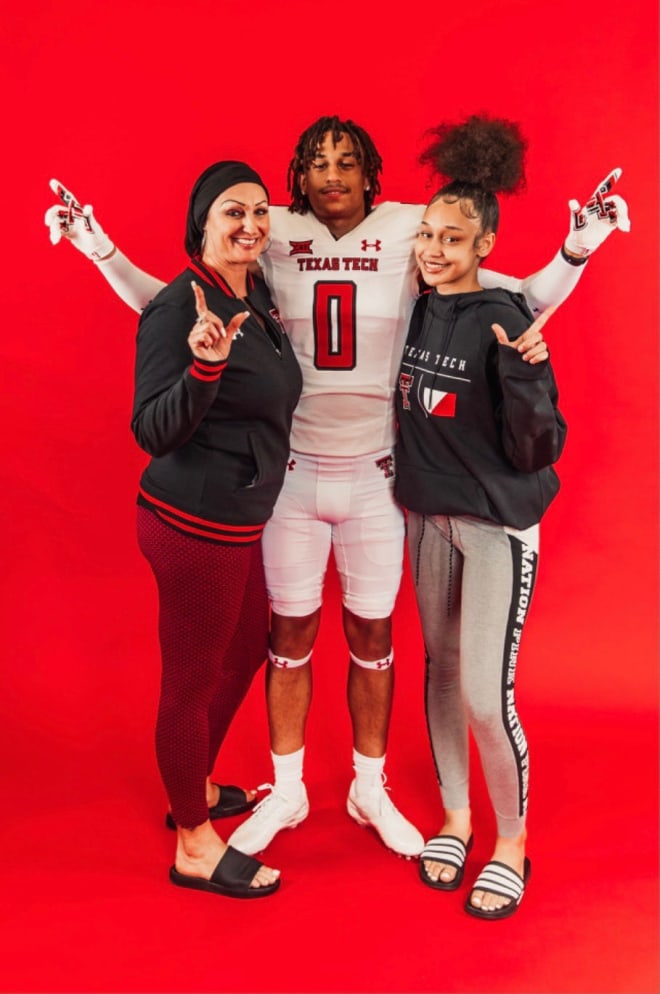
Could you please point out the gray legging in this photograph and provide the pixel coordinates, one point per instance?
(474, 582)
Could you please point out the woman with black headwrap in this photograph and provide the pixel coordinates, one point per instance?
(213, 409)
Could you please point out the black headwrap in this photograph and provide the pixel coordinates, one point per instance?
(218, 177)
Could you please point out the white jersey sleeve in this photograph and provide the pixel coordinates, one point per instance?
(135, 287)
(346, 304)
(551, 285)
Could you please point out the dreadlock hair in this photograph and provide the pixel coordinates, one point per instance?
(480, 157)
(307, 149)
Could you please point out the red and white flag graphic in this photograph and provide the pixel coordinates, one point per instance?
(440, 403)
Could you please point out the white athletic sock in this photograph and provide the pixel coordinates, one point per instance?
(368, 771)
(289, 773)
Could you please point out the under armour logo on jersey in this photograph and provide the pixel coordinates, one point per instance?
(291, 463)
(439, 403)
(405, 383)
(387, 466)
(301, 248)
(374, 245)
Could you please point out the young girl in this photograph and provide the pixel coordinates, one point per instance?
(478, 431)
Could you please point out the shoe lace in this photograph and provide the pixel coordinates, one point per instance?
(386, 799)
(264, 800)
(381, 793)
(271, 798)
(382, 784)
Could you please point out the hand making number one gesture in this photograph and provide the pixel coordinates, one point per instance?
(602, 214)
(70, 220)
(531, 343)
(209, 339)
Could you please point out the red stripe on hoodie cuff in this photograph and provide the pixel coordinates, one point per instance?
(208, 372)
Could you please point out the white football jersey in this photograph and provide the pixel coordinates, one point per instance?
(346, 304)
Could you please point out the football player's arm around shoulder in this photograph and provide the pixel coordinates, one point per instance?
(590, 226)
(548, 287)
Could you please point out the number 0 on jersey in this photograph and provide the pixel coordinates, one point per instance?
(334, 325)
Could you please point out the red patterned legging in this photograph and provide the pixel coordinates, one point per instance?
(213, 631)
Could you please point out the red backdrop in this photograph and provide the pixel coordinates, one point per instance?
(126, 104)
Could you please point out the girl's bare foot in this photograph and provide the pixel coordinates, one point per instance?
(511, 852)
(458, 823)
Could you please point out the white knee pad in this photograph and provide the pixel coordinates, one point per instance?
(374, 664)
(283, 663)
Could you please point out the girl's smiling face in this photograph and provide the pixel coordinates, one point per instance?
(450, 247)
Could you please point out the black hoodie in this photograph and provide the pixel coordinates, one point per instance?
(479, 428)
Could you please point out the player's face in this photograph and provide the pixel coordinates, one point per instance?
(449, 248)
(335, 185)
(237, 225)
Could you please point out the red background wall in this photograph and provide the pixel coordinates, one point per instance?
(126, 104)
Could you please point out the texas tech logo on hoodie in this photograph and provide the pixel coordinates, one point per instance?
(423, 373)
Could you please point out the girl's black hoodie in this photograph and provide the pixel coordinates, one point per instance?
(479, 428)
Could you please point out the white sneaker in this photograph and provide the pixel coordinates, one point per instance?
(374, 807)
(269, 817)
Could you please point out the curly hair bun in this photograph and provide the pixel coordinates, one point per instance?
(482, 151)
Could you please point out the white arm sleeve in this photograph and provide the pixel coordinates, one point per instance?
(551, 285)
(135, 287)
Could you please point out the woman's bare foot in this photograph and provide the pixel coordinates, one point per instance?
(199, 850)
(213, 793)
(459, 823)
(511, 852)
